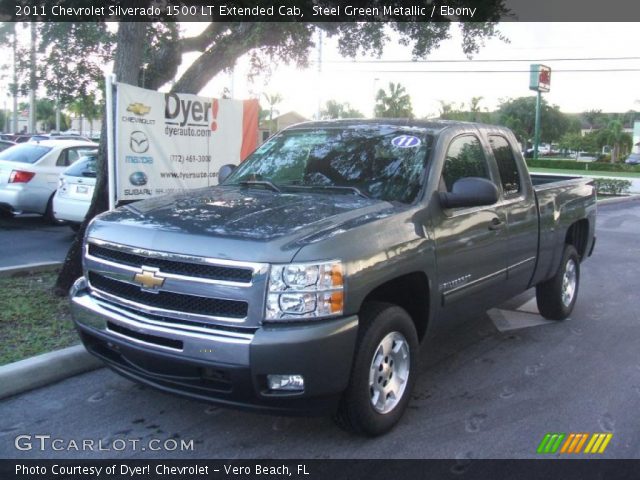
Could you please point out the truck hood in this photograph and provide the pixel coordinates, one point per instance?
(235, 223)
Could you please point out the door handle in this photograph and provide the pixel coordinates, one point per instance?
(496, 224)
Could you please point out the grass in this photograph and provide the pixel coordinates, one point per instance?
(593, 173)
(32, 319)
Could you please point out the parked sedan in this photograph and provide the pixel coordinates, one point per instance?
(4, 144)
(633, 159)
(75, 190)
(29, 174)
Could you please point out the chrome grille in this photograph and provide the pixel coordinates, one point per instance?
(184, 294)
(196, 270)
(177, 302)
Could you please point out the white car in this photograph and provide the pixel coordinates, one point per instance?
(29, 174)
(75, 190)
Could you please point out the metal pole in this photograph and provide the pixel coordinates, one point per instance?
(319, 73)
(536, 140)
(32, 82)
(15, 79)
(111, 163)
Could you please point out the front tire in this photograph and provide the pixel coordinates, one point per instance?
(557, 296)
(383, 371)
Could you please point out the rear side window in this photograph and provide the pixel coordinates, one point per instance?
(71, 155)
(465, 158)
(509, 175)
(24, 153)
(86, 167)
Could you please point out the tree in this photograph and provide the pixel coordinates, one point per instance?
(615, 136)
(395, 104)
(152, 54)
(334, 109)
(272, 100)
(127, 61)
(519, 114)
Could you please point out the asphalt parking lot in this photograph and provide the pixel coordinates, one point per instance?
(489, 389)
(29, 239)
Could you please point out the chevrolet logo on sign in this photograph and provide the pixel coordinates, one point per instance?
(138, 108)
(149, 279)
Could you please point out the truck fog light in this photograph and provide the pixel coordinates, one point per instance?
(286, 382)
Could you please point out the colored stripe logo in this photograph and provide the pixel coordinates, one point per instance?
(595, 443)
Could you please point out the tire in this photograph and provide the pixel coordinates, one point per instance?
(382, 326)
(557, 296)
(48, 214)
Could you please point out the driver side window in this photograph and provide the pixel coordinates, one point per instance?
(465, 158)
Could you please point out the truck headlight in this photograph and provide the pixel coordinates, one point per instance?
(305, 290)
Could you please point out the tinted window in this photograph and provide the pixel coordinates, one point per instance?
(24, 153)
(85, 167)
(383, 162)
(71, 155)
(465, 158)
(509, 175)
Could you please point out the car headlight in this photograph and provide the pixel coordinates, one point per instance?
(305, 290)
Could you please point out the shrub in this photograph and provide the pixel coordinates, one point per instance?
(611, 186)
(586, 166)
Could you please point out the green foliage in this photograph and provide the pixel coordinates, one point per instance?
(334, 109)
(586, 166)
(519, 114)
(395, 104)
(612, 186)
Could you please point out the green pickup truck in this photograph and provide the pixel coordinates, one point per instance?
(304, 282)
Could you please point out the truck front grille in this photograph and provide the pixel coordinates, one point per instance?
(178, 302)
(197, 270)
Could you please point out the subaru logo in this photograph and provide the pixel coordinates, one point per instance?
(138, 179)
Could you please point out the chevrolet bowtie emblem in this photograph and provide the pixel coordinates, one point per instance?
(149, 279)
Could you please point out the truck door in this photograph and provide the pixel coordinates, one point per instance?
(470, 242)
(519, 207)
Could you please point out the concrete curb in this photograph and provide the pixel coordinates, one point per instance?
(44, 369)
(29, 268)
(610, 201)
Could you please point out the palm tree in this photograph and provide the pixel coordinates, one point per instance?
(396, 104)
(615, 136)
(272, 100)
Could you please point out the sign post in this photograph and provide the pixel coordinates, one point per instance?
(110, 80)
(539, 81)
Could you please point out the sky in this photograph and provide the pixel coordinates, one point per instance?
(356, 82)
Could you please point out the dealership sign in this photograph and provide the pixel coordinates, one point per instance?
(170, 142)
(540, 78)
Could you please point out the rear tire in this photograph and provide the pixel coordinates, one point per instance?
(49, 217)
(383, 371)
(557, 296)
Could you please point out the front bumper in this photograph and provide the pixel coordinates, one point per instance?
(225, 366)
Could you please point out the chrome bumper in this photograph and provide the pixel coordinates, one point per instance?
(181, 361)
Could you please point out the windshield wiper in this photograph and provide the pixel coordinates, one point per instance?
(264, 183)
(355, 190)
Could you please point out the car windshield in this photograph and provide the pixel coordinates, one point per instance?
(382, 162)
(85, 167)
(24, 153)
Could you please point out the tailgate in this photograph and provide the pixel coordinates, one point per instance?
(77, 188)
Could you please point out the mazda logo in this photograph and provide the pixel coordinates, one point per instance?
(138, 142)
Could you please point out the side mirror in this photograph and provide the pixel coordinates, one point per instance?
(225, 171)
(470, 192)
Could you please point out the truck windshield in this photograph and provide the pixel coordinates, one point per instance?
(380, 162)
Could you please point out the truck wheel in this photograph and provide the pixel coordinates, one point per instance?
(557, 296)
(383, 371)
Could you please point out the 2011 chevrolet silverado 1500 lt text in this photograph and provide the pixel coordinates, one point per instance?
(305, 281)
